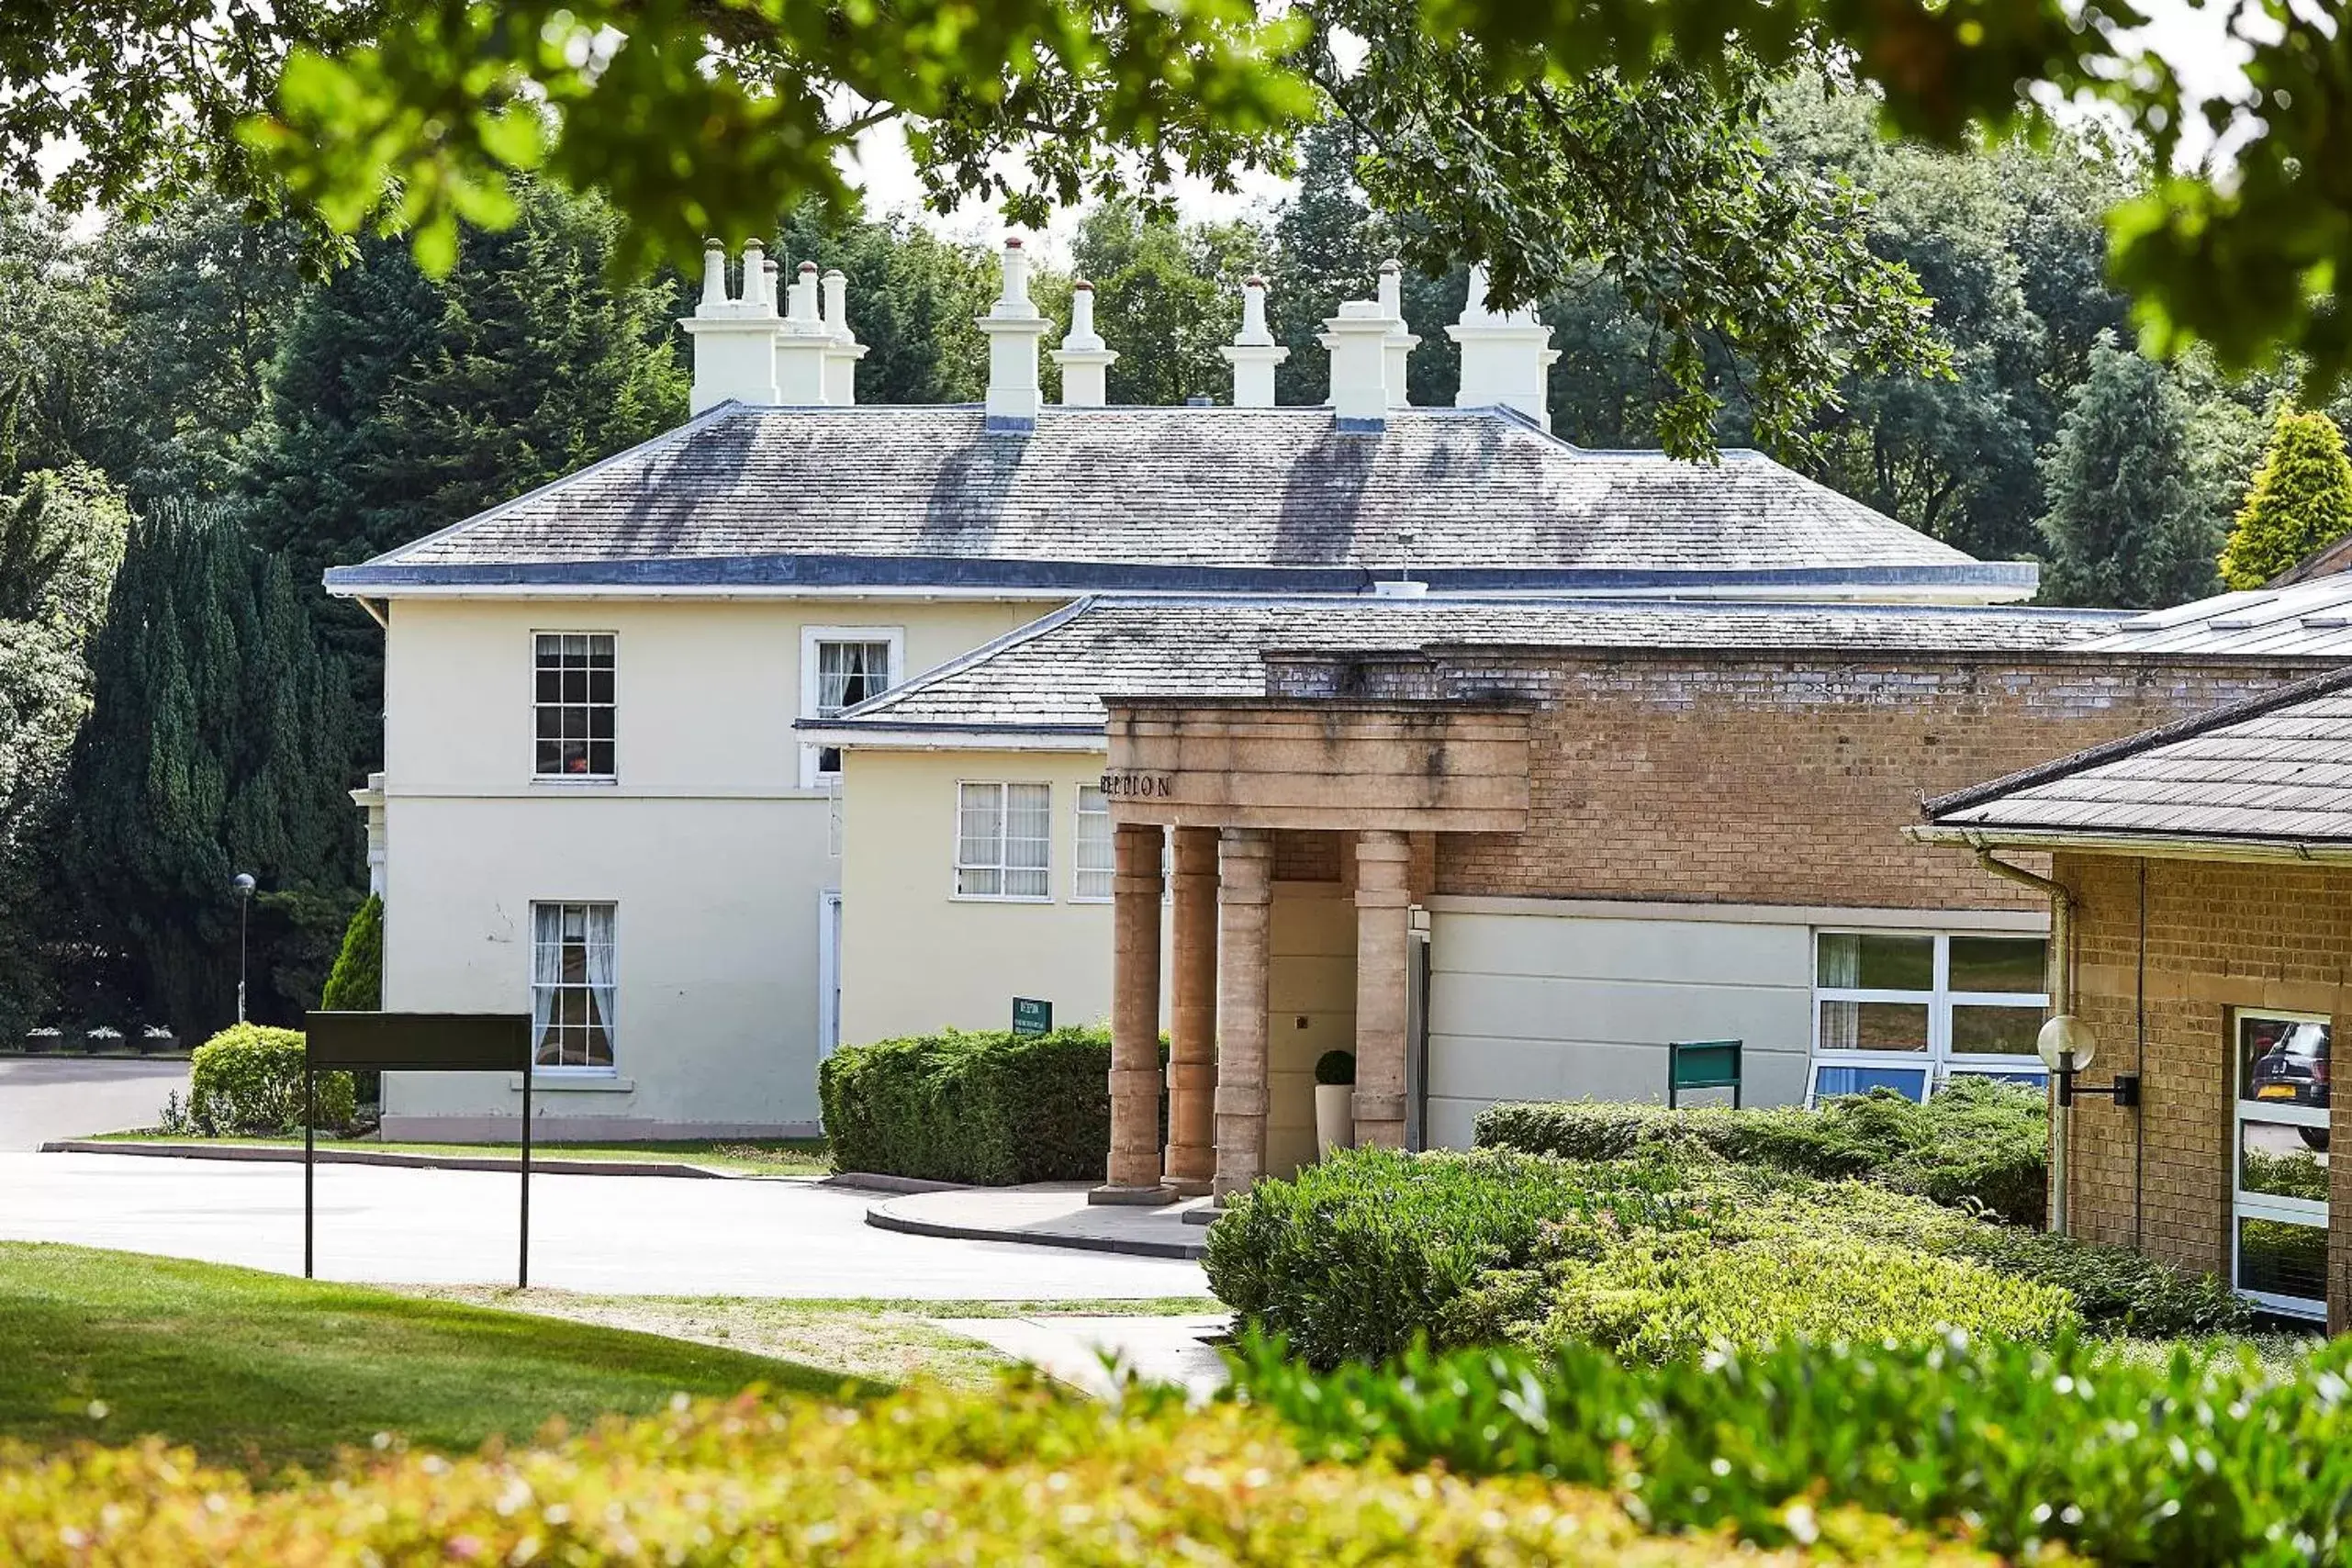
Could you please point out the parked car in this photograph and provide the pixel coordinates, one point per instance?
(2294, 1072)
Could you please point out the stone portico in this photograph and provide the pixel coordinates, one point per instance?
(1207, 787)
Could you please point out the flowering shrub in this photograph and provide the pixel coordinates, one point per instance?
(1020, 1475)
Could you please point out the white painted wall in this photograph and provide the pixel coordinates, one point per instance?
(714, 854)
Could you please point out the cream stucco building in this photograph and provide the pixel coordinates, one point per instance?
(605, 797)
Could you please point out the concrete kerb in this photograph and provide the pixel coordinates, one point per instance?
(267, 1154)
(1040, 1215)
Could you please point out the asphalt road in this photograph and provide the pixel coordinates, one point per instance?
(622, 1235)
(61, 1097)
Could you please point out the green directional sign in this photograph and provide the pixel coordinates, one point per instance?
(1031, 1016)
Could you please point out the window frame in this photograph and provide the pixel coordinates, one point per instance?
(533, 983)
(1937, 1063)
(956, 865)
(1077, 815)
(570, 780)
(812, 638)
(2270, 1206)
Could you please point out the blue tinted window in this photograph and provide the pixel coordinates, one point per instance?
(1832, 1081)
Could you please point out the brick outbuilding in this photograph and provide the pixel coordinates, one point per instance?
(2204, 872)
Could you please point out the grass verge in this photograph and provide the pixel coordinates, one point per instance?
(261, 1370)
(882, 1340)
(742, 1157)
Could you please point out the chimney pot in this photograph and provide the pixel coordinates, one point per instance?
(841, 359)
(1358, 338)
(1015, 329)
(1253, 353)
(1400, 342)
(1084, 358)
(735, 340)
(804, 345)
(1503, 357)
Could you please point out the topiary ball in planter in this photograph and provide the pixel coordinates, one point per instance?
(1334, 1068)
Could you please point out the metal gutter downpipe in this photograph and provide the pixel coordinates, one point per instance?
(2060, 978)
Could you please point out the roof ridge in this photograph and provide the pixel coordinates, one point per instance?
(2245, 708)
(924, 681)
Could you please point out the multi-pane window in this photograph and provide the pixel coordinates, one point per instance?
(2278, 1190)
(1895, 1010)
(840, 667)
(573, 703)
(1004, 841)
(571, 984)
(1094, 861)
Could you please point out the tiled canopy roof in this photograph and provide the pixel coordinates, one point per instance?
(1173, 499)
(2274, 768)
(1049, 676)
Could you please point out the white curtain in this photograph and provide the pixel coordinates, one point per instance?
(547, 973)
(1841, 968)
(601, 984)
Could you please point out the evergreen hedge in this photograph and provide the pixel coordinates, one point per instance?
(246, 1081)
(1655, 1257)
(356, 982)
(987, 1107)
(1978, 1144)
(2201, 1461)
(1017, 1474)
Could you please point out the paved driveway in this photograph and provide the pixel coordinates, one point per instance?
(636, 1235)
(61, 1097)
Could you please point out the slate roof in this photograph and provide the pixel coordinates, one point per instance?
(2274, 768)
(1221, 499)
(1047, 678)
(2315, 618)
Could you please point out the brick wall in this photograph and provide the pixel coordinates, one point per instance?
(1732, 779)
(2220, 936)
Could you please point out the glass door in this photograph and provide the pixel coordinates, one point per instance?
(2279, 1205)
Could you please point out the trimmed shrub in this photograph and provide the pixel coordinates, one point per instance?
(987, 1107)
(1657, 1256)
(1017, 1474)
(247, 1079)
(1371, 1248)
(1333, 1068)
(356, 982)
(2195, 1463)
(1979, 1143)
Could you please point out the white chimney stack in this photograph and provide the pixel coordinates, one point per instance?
(803, 344)
(1015, 329)
(841, 359)
(1084, 359)
(1253, 353)
(1358, 338)
(1401, 342)
(735, 339)
(1503, 358)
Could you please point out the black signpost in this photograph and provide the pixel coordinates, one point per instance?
(413, 1042)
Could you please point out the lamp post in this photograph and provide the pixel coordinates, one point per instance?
(244, 883)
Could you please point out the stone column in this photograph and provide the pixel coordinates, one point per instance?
(1383, 916)
(1134, 1176)
(1245, 898)
(1191, 1056)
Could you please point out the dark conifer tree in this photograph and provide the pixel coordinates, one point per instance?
(220, 740)
(2125, 528)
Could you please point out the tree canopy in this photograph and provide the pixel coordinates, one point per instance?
(1504, 126)
(2302, 500)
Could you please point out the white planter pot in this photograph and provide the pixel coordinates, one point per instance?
(1334, 1116)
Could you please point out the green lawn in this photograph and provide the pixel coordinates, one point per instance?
(744, 1157)
(263, 1370)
